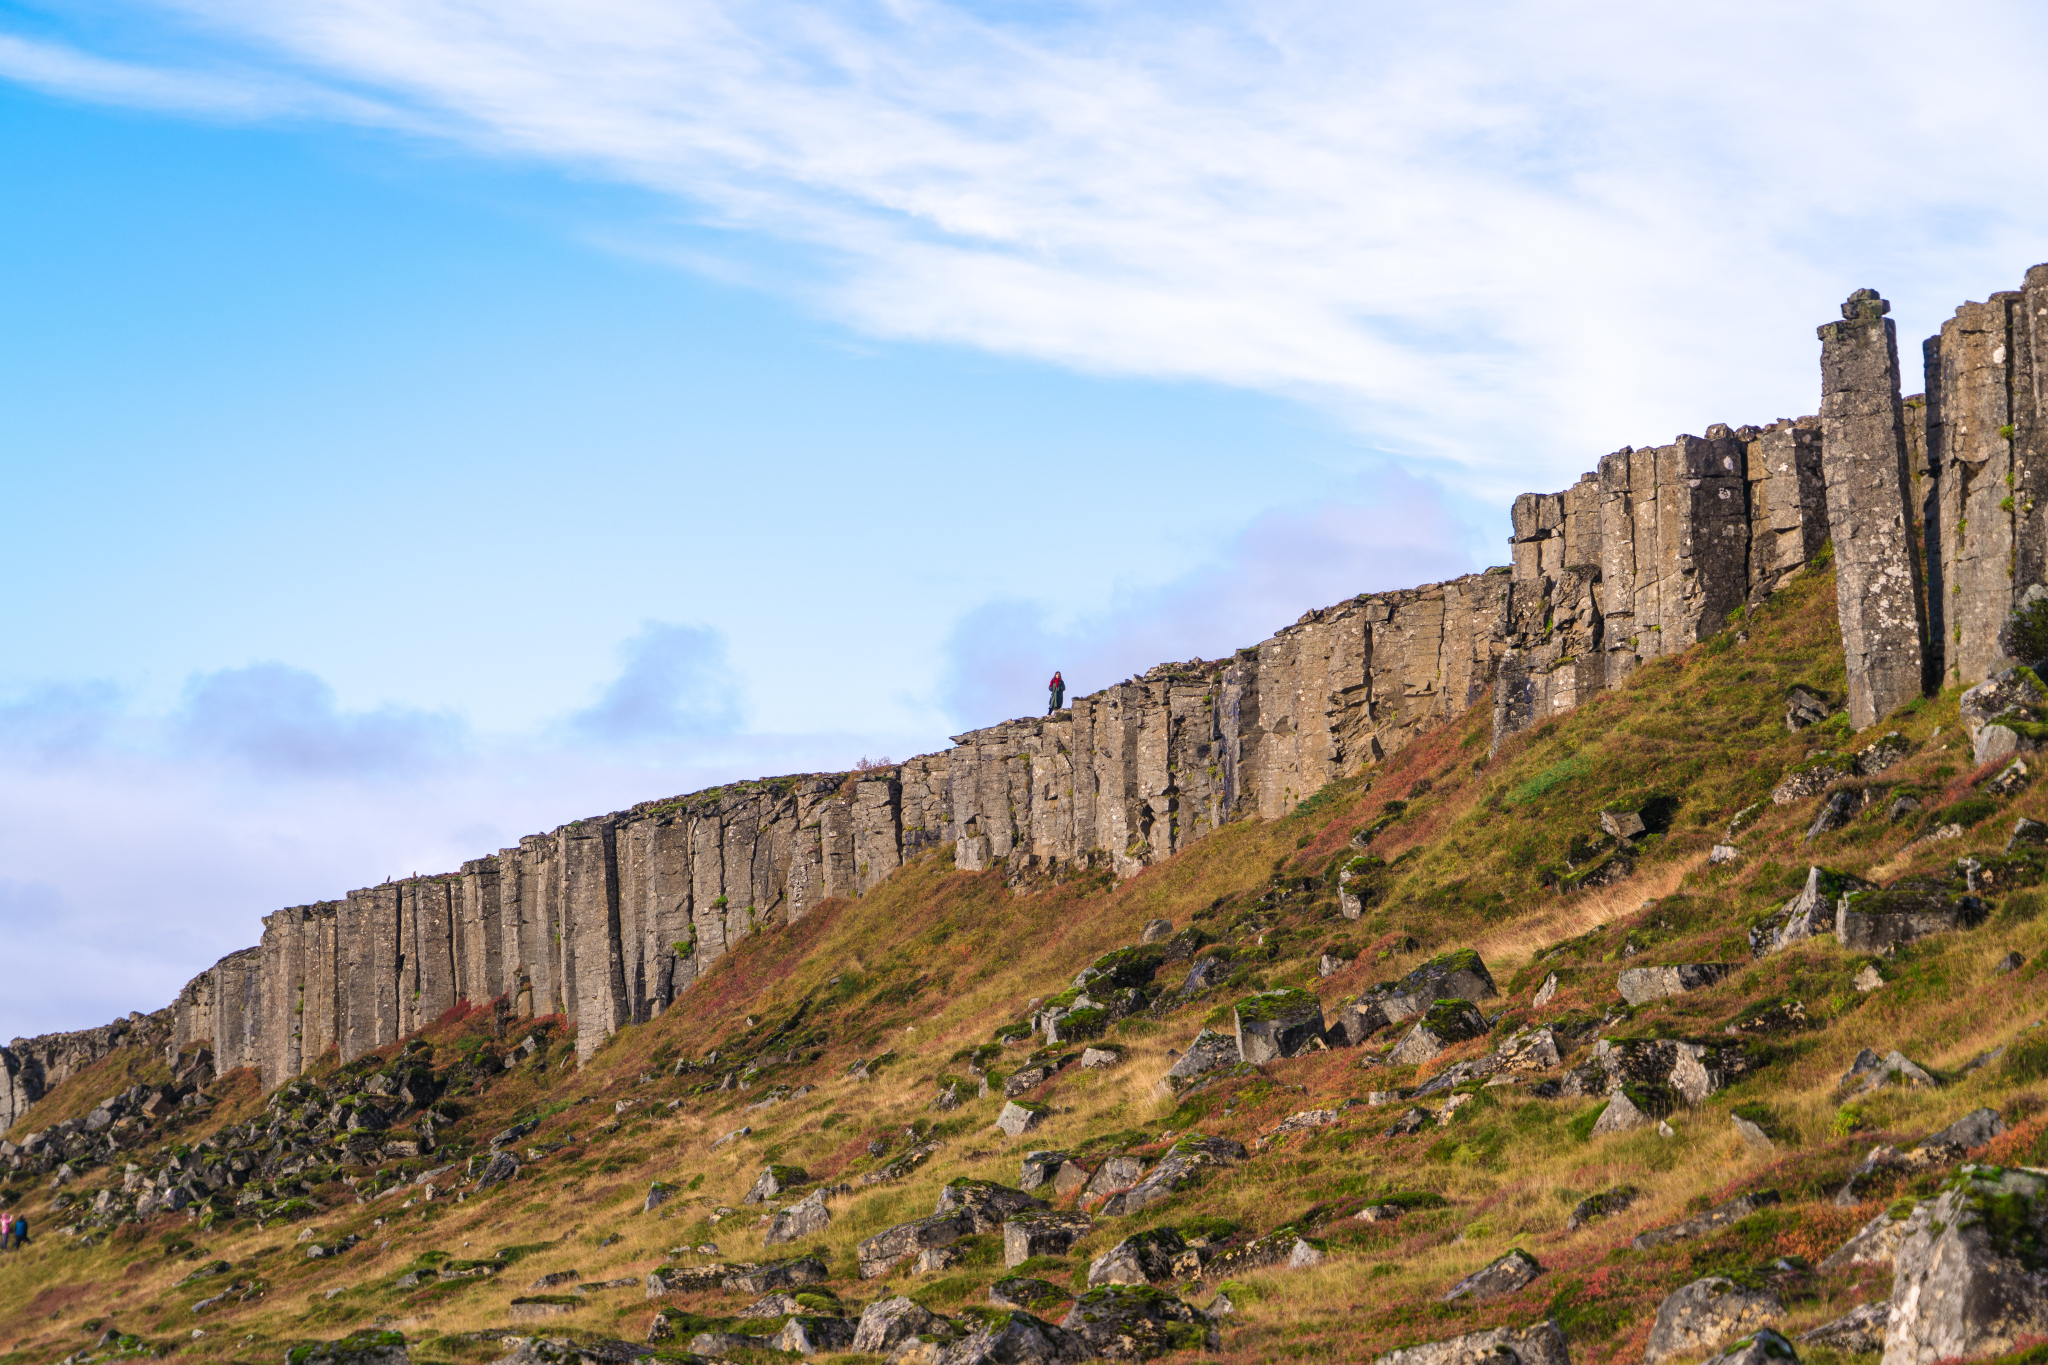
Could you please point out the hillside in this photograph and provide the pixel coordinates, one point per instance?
(861, 1056)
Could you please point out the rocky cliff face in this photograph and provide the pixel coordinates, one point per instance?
(1931, 505)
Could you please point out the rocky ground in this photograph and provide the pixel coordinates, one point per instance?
(1688, 1026)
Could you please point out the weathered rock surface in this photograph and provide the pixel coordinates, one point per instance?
(1208, 1052)
(1764, 1347)
(1145, 1258)
(1641, 985)
(1446, 1024)
(1137, 1322)
(806, 1218)
(1504, 1276)
(1809, 914)
(1603, 1205)
(1970, 1280)
(1020, 1117)
(1540, 1344)
(887, 1323)
(1042, 1234)
(1708, 1314)
(883, 1251)
(984, 1204)
(1017, 1339)
(1714, 1219)
(1278, 1023)
(1860, 1331)
(1190, 1156)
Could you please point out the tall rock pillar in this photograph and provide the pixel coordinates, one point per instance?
(1863, 459)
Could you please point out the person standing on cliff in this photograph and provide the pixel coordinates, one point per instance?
(1057, 689)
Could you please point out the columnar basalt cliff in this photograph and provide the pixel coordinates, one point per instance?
(1931, 505)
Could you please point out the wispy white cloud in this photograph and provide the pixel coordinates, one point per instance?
(673, 684)
(1505, 235)
(238, 93)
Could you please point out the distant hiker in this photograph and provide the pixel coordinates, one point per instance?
(6, 1229)
(1058, 688)
(20, 1230)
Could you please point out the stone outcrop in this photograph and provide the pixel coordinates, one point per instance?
(1540, 1344)
(1707, 1315)
(1968, 1280)
(1641, 985)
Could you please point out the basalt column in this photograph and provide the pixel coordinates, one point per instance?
(1863, 457)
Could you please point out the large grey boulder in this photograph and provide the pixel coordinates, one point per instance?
(806, 1218)
(1017, 1339)
(1141, 1259)
(1210, 1051)
(1706, 1315)
(984, 1203)
(812, 1335)
(1641, 985)
(1138, 1322)
(1809, 914)
(1872, 921)
(1020, 1117)
(773, 1182)
(2000, 713)
(1504, 1276)
(1459, 975)
(881, 1252)
(1877, 1242)
(1541, 1343)
(1970, 1281)
(887, 1323)
(798, 1270)
(1278, 1023)
(1446, 1024)
(1039, 1167)
(1191, 1155)
(1043, 1234)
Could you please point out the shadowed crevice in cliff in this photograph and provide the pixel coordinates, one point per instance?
(1390, 529)
(673, 683)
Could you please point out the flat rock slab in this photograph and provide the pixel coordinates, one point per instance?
(1210, 1051)
(1539, 1344)
(1145, 1258)
(1019, 1118)
(1707, 1315)
(1714, 1219)
(1641, 985)
(1043, 1234)
(1504, 1276)
(1872, 921)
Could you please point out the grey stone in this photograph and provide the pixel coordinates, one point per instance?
(1144, 1258)
(1209, 1051)
(887, 1323)
(500, 1168)
(1708, 1314)
(1871, 921)
(1603, 1205)
(1713, 1220)
(1752, 1135)
(1622, 825)
(1868, 979)
(1804, 707)
(1504, 1276)
(2027, 834)
(1156, 931)
(1864, 464)
(1018, 1119)
(1448, 1023)
(2009, 964)
(1641, 985)
(1042, 1234)
(1860, 1331)
(789, 1274)
(1128, 1322)
(886, 1249)
(1902, 808)
(1763, 1347)
(1542, 1343)
(934, 1259)
(1971, 1131)
(984, 1204)
(1100, 1058)
(1877, 1242)
(1190, 1155)
(1017, 1339)
(1277, 1023)
(812, 1335)
(1808, 914)
(806, 1218)
(1959, 1288)
(1835, 812)
(1720, 855)
(1546, 992)
(1026, 1293)
(1039, 1167)
(1621, 1115)
(1116, 1173)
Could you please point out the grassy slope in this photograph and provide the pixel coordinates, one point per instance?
(936, 960)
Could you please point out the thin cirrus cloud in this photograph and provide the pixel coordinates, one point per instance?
(1502, 235)
(285, 722)
(1388, 530)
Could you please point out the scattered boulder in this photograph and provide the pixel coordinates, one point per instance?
(1882, 753)
(1541, 1343)
(500, 1168)
(1708, 1314)
(1899, 810)
(1185, 1161)
(2027, 834)
(1043, 1234)
(370, 1346)
(1811, 779)
(1016, 1339)
(1141, 1259)
(2009, 964)
(759, 1279)
(1546, 992)
(1871, 921)
(2002, 714)
(1765, 1347)
(1623, 825)
(1870, 1071)
(882, 1252)
(1622, 1115)
(1603, 1205)
(806, 1218)
(1809, 914)
(1722, 854)
(1409, 1123)
(1020, 1117)
(1860, 1331)
(1838, 810)
(1641, 985)
(1098, 1058)
(1972, 1130)
(1969, 1281)
(1116, 1173)
(1713, 1220)
(1278, 1023)
(1040, 1167)
(932, 1260)
(1137, 1322)
(1156, 931)
(1504, 1276)
(1752, 1134)
(984, 1204)
(1804, 707)
(1208, 1052)
(1447, 1023)
(774, 1181)
(887, 1323)
(808, 1334)
(1868, 979)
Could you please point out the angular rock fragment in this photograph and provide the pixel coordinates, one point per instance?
(1116, 1173)
(1410, 1122)
(1039, 1167)
(1838, 810)
(1042, 1234)
(1641, 985)
(1185, 1161)
(887, 1323)
(1144, 1258)
(1208, 1052)
(1017, 1339)
(1541, 1343)
(1968, 1281)
(790, 1274)
(1622, 1115)
(806, 1218)
(1871, 921)
(1137, 1322)
(1020, 1117)
(1765, 1347)
(1804, 707)
(1708, 1314)
(1278, 1023)
(1807, 915)
(1860, 1331)
(1877, 1242)
(1713, 1220)
(1156, 931)
(1097, 1058)
(809, 1334)
(883, 1251)
(1603, 1205)
(1446, 1024)
(1622, 825)
(983, 1204)
(1504, 1276)
(1023, 1292)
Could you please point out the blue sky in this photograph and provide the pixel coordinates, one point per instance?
(426, 423)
